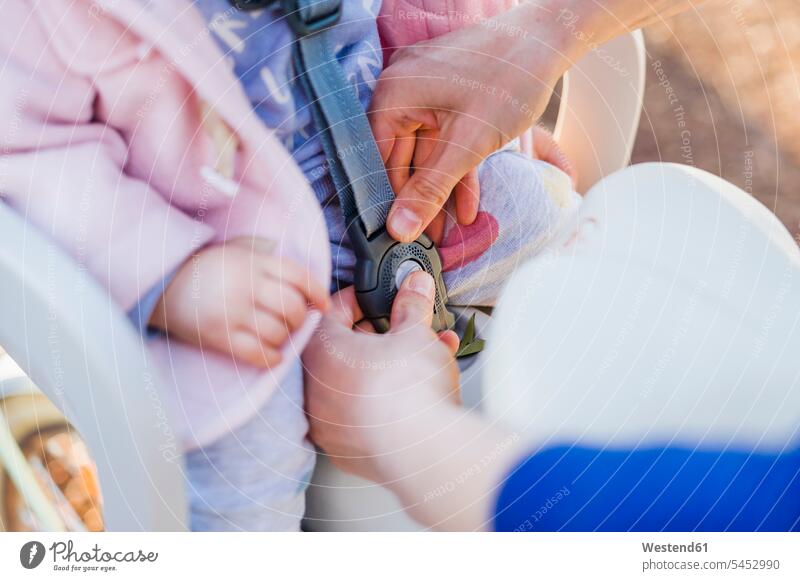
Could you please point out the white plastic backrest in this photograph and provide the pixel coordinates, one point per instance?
(601, 103)
(672, 317)
(80, 350)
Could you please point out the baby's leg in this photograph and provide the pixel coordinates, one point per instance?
(254, 478)
(523, 203)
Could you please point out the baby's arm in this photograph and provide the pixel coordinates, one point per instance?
(239, 298)
(547, 149)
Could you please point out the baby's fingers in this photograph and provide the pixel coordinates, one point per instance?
(283, 301)
(247, 347)
(271, 330)
(547, 149)
(301, 279)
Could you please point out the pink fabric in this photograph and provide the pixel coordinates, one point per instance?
(464, 244)
(405, 22)
(103, 149)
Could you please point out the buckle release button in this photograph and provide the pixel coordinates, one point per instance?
(405, 268)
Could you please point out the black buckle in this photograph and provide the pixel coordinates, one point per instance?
(378, 260)
(302, 27)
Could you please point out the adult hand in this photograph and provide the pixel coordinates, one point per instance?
(443, 105)
(385, 407)
(364, 391)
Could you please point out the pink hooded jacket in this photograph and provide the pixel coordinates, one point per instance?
(128, 140)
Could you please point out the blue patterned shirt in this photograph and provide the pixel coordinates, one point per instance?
(259, 47)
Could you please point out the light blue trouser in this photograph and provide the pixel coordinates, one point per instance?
(254, 478)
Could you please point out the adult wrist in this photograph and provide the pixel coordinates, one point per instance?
(540, 40)
(550, 45)
(578, 26)
(400, 447)
(568, 29)
(450, 476)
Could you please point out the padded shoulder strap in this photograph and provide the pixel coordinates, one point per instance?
(355, 162)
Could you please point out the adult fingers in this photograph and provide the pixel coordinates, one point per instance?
(394, 111)
(365, 326)
(450, 340)
(413, 304)
(344, 308)
(435, 229)
(427, 190)
(468, 197)
(427, 139)
(398, 165)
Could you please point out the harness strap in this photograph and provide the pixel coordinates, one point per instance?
(355, 163)
(356, 167)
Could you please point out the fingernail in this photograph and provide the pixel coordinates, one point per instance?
(421, 283)
(405, 223)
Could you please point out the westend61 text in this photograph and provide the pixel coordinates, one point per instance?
(673, 548)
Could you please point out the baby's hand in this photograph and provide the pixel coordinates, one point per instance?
(238, 298)
(547, 149)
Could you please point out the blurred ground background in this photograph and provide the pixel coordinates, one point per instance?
(735, 67)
